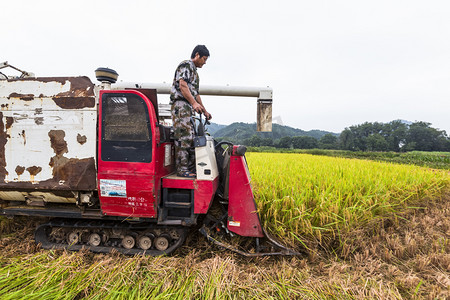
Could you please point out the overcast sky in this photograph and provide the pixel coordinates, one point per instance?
(331, 64)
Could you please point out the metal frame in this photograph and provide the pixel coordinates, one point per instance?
(24, 73)
(264, 97)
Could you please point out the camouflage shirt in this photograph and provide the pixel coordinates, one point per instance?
(187, 71)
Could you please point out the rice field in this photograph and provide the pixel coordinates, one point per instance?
(306, 199)
(351, 215)
(434, 160)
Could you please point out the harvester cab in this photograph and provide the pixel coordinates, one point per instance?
(99, 161)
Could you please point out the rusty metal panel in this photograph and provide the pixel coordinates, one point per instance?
(12, 195)
(264, 115)
(36, 196)
(48, 134)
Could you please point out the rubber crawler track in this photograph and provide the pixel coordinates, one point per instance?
(42, 235)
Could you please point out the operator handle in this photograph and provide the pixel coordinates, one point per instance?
(206, 120)
(200, 129)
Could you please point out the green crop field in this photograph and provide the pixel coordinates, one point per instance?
(370, 230)
(304, 198)
(435, 160)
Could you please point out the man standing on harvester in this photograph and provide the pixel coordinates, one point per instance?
(185, 99)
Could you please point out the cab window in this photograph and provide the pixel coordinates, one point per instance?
(126, 131)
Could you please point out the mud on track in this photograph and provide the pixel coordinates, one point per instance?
(402, 257)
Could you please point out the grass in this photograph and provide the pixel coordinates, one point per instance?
(405, 260)
(62, 275)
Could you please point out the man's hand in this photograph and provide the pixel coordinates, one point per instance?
(196, 102)
(207, 115)
(197, 107)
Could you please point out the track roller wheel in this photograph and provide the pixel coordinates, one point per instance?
(162, 242)
(94, 239)
(128, 242)
(73, 238)
(106, 235)
(144, 242)
(174, 234)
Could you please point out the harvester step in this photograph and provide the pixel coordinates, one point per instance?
(170, 222)
(177, 204)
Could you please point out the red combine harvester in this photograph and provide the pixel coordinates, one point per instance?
(98, 161)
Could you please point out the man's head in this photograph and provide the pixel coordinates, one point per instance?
(199, 55)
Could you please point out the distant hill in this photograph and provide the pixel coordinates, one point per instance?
(241, 131)
(214, 127)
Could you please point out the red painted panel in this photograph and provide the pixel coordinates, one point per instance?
(204, 194)
(135, 182)
(204, 191)
(138, 202)
(161, 169)
(243, 218)
(175, 183)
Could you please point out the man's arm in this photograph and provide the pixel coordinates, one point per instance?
(196, 102)
(188, 96)
(207, 114)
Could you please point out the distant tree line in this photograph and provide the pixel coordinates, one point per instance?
(394, 136)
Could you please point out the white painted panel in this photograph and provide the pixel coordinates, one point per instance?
(33, 87)
(29, 142)
(205, 159)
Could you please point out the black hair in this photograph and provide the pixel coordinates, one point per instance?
(201, 50)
